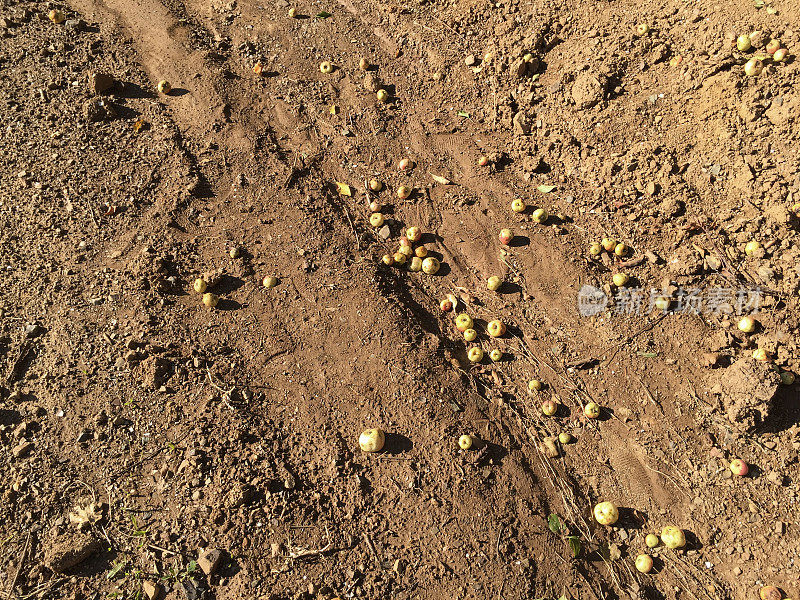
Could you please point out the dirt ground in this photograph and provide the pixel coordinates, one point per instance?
(151, 446)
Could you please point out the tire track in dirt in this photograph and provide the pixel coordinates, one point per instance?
(162, 43)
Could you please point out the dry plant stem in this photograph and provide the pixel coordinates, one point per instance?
(23, 557)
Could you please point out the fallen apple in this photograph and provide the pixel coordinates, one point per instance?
(475, 354)
(430, 265)
(496, 328)
(413, 234)
(739, 467)
(371, 440)
(644, 563)
(606, 513)
(592, 410)
(464, 322)
(673, 537)
(494, 283)
(549, 408)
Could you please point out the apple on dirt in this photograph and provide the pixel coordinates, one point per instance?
(747, 324)
(200, 285)
(673, 537)
(496, 355)
(465, 442)
(376, 219)
(413, 234)
(518, 205)
(403, 192)
(591, 410)
(405, 164)
(620, 279)
(506, 235)
(371, 440)
(739, 467)
(494, 283)
(431, 266)
(651, 540)
(375, 185)
(475, 354)
(464, 322)
(549, 408)
(470, 335)
(496, 328)
(210, 300)
(644, 563)
(752, 247)
(534, 385)
(770, 592)
(164, 87)
(270, 281)
(606, 513)
(609, 244)
(540, 216)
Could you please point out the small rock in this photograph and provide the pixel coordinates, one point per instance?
(470, 60)
(75, 25)
(587, 90)
(384, 233)
(151, 590)
(69, 551)
(518, 68)
(522, 125)
(22, 449)
(100, 82)
(209, 560)
(371, 83)
(33, 330)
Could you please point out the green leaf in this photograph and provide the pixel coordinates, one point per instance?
(191, 567)
(115, 570)
(323, 15)
(574, 545)
(545, 189)
(463, 113)
(554, 523)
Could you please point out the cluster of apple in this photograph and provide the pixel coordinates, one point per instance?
(466, 325)
(607, 513)
(416, 258)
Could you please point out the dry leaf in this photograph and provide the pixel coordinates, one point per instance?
(440, 179)
(86, 515)
(343, 189)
